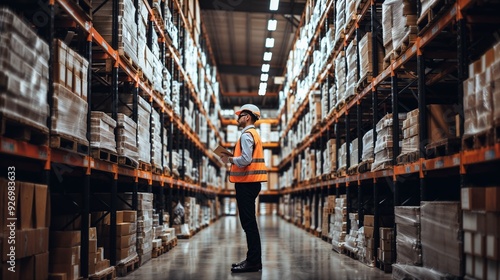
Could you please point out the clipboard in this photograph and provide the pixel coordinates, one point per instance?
(221, 151)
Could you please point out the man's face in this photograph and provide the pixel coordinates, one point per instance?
(243, 119)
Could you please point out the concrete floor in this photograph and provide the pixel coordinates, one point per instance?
(288, 253)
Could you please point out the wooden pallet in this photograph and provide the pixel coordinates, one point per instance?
(157, 169)
(364, 82)
(144, 166)
(70, 143)
(385, 267)
(157, 252)
(106, 274)
(341, 172)
(19, 129)
(365, 166)
(129, 162)
(443, 147)
(104, 154)
(351, 254)
(129, 61)
(433, 14)
(128, 267)
(407, 41)
(389, 58)
(383, 166)
(480, 140)
(408, 157)
(352, 170)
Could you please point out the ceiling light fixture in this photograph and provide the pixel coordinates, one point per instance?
(265, 67)
(263, 86)
(262, 92)
(269, 42)
(264, 77)
(268, 56)
(273, 6)
(272, 24)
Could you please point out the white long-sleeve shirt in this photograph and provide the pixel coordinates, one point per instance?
(247, 145)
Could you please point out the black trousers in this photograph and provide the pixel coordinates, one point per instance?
(246, 193)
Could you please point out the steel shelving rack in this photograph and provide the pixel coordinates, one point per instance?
(53, 163)
(405, 80)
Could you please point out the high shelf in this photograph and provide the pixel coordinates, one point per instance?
(119, 83)
(399, 82)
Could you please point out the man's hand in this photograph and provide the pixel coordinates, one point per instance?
(225, 159)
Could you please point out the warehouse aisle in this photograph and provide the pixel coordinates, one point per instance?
(288, 253)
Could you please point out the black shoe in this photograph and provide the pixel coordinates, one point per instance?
(247, 267)
(239, 263)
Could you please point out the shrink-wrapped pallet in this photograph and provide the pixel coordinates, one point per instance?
(354, 148)
(102, 131)
(343, 156)
(143, 131)
(352, 70)
(127, 28)
(366, 58)
(408, 242)
(156, 129)
(340, 19)
(126, 144)
(367, 153)
(24, 72)
(340, 78)
(68, 107)
(339, 227)
(411, 139)
(383, 146)
(399, 23)
(442, 247)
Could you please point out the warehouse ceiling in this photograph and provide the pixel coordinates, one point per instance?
(237, 31)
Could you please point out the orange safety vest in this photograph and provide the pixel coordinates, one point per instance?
(256, 171)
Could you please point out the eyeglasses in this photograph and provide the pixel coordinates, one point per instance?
(242, 115)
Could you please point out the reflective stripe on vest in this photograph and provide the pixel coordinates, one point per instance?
(256, 171)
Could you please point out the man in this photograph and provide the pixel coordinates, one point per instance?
(248, 170)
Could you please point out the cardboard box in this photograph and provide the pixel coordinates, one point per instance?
(92, 245)
(493, 247)
(25, 219)
(92, 233)
(4, 200)
(126, 241)
(41, 240)
(125, 252)
(474, 221)
(493, 224)
(41, 206)
(473, 198)
(70, 256)
(72, 271)
(441, 122)
(42, 266)
(27, 268)
(479, 243)
(493, 199)
(386, 233)
(369, 220)
(368, 232)
(24, 244)
(126, 216)
(386, 244)
(100, 254)
(65, 239)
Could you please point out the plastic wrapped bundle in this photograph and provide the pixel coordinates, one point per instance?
(343, 156)
(442, 249)
(352, 70)
(354, 152)
(403, 272)
(340, 77)
(484, 102)
(24, 72)
(341, 19)
(387, 26)
(156, 139)
(67, 108)
(403, 21)
(102, 131)
(409, 250)
(127, 28)
(127, 139)
(143, 133)
(367, 146)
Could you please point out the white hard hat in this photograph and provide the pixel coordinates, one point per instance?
(250, 108)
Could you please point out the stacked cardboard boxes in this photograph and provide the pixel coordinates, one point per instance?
(366, 59)
(102, 131)
(64, 258)
(480, 224)
(126, 144)
(383, 146)
(367, 153)
(340, 78)
(144, 226)
(351, 70)
(156, 131)
(339, 228)
(385, 249)
(354, 150)
(24, 73)
(24, 243)
(368, 227)
(411, 138)
(399, 20)
(343, 156)
(340, 8)
(143, 131)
